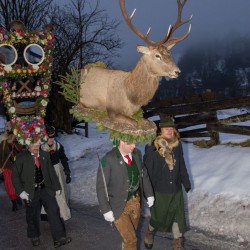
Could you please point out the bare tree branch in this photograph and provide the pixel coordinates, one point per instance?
(81, 28)
(33, 13)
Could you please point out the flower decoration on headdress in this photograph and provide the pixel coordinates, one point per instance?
(29, 129)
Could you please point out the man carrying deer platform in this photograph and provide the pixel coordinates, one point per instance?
(121, 181)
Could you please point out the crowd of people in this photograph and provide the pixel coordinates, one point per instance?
(125, 179)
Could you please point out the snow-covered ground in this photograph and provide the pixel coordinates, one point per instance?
(220, 198)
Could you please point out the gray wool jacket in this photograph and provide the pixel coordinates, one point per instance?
(113, 182)
(23, 175)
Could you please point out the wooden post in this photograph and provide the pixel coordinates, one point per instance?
(214, 134)
(86, 129)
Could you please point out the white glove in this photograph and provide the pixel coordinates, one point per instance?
(109, 216)
(58, 192)
(150, 201)
(24, 196)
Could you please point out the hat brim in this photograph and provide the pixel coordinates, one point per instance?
(166, 125)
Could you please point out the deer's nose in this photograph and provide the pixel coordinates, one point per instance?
(177, 72)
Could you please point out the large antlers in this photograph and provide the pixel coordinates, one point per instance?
(168, 40)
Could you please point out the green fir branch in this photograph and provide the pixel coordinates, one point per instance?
(70, 85)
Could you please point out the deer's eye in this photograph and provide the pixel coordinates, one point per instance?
(158, 56)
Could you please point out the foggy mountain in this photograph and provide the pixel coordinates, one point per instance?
(222, 66)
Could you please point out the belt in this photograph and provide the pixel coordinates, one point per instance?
(134, 195)
(39, 185)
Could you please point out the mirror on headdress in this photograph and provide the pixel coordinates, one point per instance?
(8, 54)
(34, 54)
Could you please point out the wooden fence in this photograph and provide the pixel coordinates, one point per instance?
(201, 109)
(82, 125)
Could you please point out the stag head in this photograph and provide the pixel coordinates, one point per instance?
(158, 54)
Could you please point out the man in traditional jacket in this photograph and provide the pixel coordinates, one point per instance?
(121, 181)
(36, 183)
(167, 171)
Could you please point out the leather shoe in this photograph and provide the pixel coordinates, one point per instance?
(149, 238)
(62, 241)
(68, 178)
(35, 241)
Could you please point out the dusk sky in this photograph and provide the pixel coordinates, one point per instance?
(212, 19)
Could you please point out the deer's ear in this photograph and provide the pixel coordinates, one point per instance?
(143, 49)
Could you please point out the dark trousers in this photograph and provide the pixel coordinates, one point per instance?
(33, 211)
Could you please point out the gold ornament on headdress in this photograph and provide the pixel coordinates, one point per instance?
(17, 25)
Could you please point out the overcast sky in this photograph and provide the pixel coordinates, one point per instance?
(211, 19)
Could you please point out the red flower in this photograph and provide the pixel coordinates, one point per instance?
(20, 32)
(31, 129)
(44, 92)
